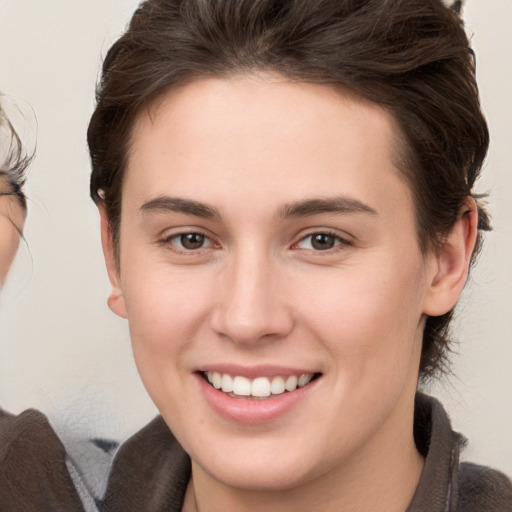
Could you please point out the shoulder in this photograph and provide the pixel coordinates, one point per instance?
(483, 488)
(33, 471)
(28, 427)
(26, 417)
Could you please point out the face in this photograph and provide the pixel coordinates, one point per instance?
(12, 217)
(268, 246)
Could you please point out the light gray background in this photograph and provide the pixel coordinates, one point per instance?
(62, 351)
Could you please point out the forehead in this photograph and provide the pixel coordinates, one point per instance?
(298, 137)
(250, 102)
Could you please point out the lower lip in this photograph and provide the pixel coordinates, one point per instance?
(253, 411)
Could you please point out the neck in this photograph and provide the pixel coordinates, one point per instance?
(383, 475)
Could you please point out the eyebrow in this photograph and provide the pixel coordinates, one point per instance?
(304, 208)
(317, 206)
(180, 205)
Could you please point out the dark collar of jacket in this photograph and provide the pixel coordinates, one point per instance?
(151, 471)
(445, 484)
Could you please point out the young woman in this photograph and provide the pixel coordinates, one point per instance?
(288, 220)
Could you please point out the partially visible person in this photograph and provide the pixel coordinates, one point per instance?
(36, 474)
(13, 205)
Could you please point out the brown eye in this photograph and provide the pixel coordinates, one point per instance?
(187, 243)
(191, 241)
(320, 242)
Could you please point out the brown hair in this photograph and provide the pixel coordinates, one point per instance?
(410, 56)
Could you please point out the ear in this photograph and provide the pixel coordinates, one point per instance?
(451, 263)
(115, 300)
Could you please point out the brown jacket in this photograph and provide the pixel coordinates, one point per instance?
(151, 471)
(33, 473)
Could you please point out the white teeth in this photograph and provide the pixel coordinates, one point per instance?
(304, 379)
(259, 387)
(277, 386)
(242, 386)
(291, 383)
(227, 383)
(217, 380)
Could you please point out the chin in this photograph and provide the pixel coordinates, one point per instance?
(261, 476)
(262, 464)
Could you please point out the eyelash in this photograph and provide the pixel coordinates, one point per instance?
(170, 243)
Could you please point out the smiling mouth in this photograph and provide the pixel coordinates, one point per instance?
(259, 388)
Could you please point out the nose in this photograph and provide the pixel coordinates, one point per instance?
(253, 304)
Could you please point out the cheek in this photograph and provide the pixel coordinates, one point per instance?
(9, 242)
(166, 310)
(371, 326)
(159, 296)
(369, 319)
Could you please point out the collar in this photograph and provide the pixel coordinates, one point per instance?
(151, 470)
(437, 489)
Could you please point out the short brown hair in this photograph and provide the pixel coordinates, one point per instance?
(412, 57)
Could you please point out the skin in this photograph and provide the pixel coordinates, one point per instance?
(259, 293)
(12, 218)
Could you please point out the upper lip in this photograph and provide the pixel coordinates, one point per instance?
(252, 372)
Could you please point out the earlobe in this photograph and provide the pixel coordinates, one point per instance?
(115, 300)
(451, 263)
